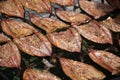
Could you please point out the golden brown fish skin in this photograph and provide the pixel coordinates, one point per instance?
(12, 8)
(69, 40)
(35, 45)
(73, 17)
(64, 2)
(33, 74)
(16, 29)
(40, 6)
(10, 55)
(47, 24)
(94, 32)
(48, 5)
(3, 38)
(111, 24)
(80, 71)
(106, 60)
(95, 9)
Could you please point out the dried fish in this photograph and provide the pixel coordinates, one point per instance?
(3, 38)
(107, 60)
(40, 6)
(111, 24)
(47, 24)
(16, 29)
(73, 17)
(69, 40)
(34, 74)
(9, 55)
(80, 71)
(12, 8)
(95, 9)
(35, 45)
(94, 32)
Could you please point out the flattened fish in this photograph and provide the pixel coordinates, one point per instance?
(111, 24)
(40, 6)
(3, 38)
(94, 32)
(12, 8)
(64, 2)
(73, 17)
(95, 9)
(16, 29)
(9, 55)
(69, 40)
(80, 71)
(35, 45)
(47, 24)
(33, 74)
(107, 60)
